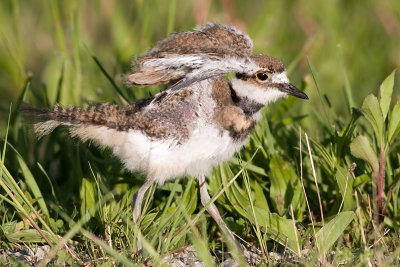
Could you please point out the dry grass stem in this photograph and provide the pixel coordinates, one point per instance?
(295, 231)
(304, 191)
(315, 180)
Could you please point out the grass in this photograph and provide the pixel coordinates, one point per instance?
(320, 176)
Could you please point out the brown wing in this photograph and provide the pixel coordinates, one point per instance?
(194, 54)
(212, 39)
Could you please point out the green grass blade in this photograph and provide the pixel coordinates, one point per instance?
(31, 181)
(48, 179)
(3, 156)
(6, 176)
(347, 86)
(75, 226)
(118, 257)
(394, 125)
(60, 82)
(386, 90)
(77, 82)
(57, 22)
(249, 166)
(171, 16)
(202, 248)
(21, 98)
(317, 85)
(88, 196)
(361, 148)
(328, 234)
(27, 236)
(252, 213)
(278, 228)
(109, 78)
(306, 47)
(345, 184)
(373, 113)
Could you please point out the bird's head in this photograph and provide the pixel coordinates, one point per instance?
(267, 84)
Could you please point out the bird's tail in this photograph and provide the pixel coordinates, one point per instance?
(46, 120)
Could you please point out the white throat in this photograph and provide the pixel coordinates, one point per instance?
(255, 93)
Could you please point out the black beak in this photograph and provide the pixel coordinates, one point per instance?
(290, 89)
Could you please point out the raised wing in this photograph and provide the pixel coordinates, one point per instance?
(187, 57)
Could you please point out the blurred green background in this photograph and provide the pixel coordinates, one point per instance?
(46, 40)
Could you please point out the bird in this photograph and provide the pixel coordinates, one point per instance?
(197, 123)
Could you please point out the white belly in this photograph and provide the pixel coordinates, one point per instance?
(163, 160)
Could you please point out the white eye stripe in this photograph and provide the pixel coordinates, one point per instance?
(280, 77)
(256, 93)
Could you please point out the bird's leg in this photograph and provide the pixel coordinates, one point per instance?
(136, 206)
(137, 200)
(213, 211)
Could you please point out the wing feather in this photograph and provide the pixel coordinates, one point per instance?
(188, 57)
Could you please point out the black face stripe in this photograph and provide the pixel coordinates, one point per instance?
(277, 85)
(242, 76)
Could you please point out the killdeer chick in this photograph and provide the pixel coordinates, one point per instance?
(196, 124)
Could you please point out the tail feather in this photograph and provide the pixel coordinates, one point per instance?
(46, 120)
(45, 128)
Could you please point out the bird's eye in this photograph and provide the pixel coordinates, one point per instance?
(262, 76)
